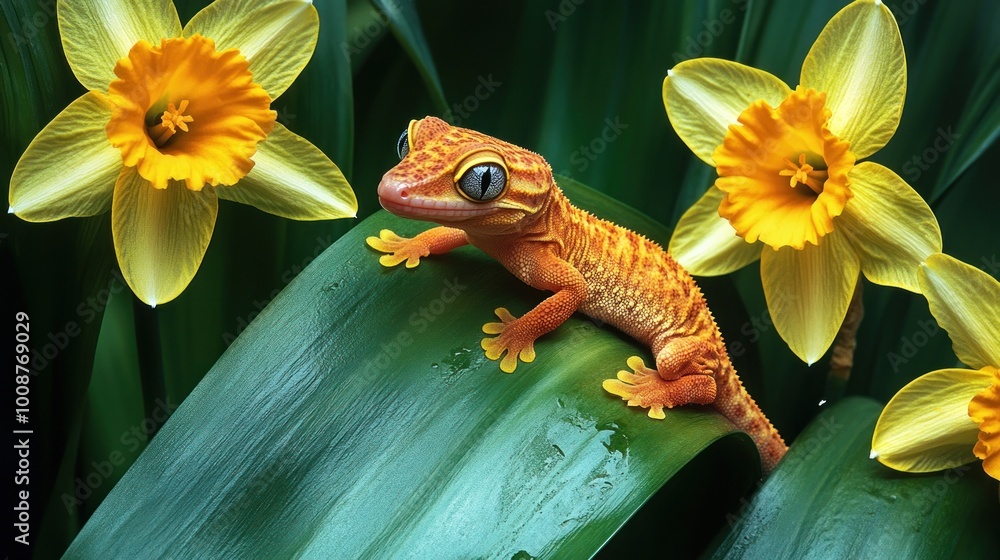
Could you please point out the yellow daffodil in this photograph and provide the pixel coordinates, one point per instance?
(175, 119)
(790, 191)
(932, 423)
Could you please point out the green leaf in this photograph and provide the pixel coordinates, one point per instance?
(827, 499)
(57, 273)
(357, 417)
(405, 25)
(978, 128)
(113, 432)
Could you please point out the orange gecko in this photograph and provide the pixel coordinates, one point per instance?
(504, 200)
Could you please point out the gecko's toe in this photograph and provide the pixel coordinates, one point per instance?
(390, 261)
(509, 362)
(492, 347)
(498, 328)
(527, 353)
(385, 241)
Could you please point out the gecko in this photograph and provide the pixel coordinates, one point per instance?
(504, 200)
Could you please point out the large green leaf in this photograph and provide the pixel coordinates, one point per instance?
(827, 499)
(357, 417)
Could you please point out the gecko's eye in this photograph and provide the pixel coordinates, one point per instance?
(403, 144)
(483, 182)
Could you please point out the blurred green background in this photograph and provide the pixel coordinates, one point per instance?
(549, 75)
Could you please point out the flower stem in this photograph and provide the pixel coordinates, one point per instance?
(842, 357)
(150, 351)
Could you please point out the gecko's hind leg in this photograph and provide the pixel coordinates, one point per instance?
(686, 355)
(646, 387)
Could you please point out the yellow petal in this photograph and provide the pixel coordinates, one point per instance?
(966, 303)
(704, 96)
(985, 411)
(96, 33)
(293, 179)
(160, 234)
(69, 169)
(808, 292)
(926, 426)
(277, 37)
(891, 227)
(705, 244)
(858, 61)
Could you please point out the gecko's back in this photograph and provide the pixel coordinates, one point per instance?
(635, 286)
(632, 282)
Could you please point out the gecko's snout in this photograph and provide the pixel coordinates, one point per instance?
(393, 192)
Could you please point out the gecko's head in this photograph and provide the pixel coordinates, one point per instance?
(464, 179)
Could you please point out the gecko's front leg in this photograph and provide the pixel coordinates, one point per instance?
(431, 242)
(540, 268)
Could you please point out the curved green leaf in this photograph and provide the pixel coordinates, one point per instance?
(979, 127)
(405, 25)
(357, 417)
(827, 499)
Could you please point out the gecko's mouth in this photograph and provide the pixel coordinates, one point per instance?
(399, 199)
(428, 209)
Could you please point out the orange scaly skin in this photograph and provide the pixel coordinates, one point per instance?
(591, 265)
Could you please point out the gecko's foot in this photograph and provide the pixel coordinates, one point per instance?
(644, 387)
(512, 339)
(399, 249)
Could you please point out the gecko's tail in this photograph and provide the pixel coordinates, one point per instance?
(733, 401)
